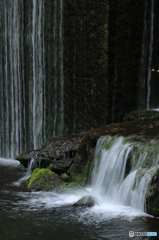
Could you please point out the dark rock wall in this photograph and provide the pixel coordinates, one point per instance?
(85, 64)
(133, 53)
(124, 44)
(154, 98)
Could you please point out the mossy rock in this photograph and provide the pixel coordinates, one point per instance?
(21, 154)
(21, 168)
(81, 177)
(44, 180)
(152, 196)
(72, 185)
(50, 166)
(86, 201)
(65, 177)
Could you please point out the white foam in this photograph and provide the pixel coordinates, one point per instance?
(9, 162)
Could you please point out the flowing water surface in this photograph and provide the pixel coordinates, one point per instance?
(49, 215)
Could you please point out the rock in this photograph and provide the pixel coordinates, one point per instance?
(152, 196)
(58, 148)
(65, 177)
(79, 170)
(86, 201)
(44, 180)
(21, 168)
(61, 166)
(141, 115)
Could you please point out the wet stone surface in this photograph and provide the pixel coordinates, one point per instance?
(54, 150)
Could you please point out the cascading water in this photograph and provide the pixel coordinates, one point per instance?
(28, 173)
(122, 170)
(120, 174)
(11, 89)
(32, 107)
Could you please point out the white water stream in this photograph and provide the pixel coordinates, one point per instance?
(119, 181)
(27, 174)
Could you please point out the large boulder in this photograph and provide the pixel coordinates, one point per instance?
(44, 180)
(61, 166)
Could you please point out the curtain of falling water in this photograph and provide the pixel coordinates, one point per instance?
(23, 75)
(146, 57)
(12, 88)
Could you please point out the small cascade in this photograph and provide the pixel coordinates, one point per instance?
(121, 174)
(28, 173)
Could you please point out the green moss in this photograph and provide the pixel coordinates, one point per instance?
(50, 166)
(43, 179)
(73, 185)
(79, 177)
(108, 143)
(17, 157)
(65, 177)
(21, 168)
(43, 144)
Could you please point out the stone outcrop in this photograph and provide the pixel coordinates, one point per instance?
(62, 166)
(44, 180)
(86, 201)
(54, 151)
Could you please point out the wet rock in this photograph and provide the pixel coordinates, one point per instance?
(79, 170)
(61, 166)
(152, 196)
(65, 177)
(44, 180)
(86, 201)
(55, 149)
(21, 168)
(141, 115)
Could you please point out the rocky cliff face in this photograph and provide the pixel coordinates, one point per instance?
(125, 42)
(133, 53)
(85, 64)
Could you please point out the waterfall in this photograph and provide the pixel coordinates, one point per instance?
(145, 83)
(121, 174)
(32, 105)
(12, 79)
(31, 166)
(38, 71)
